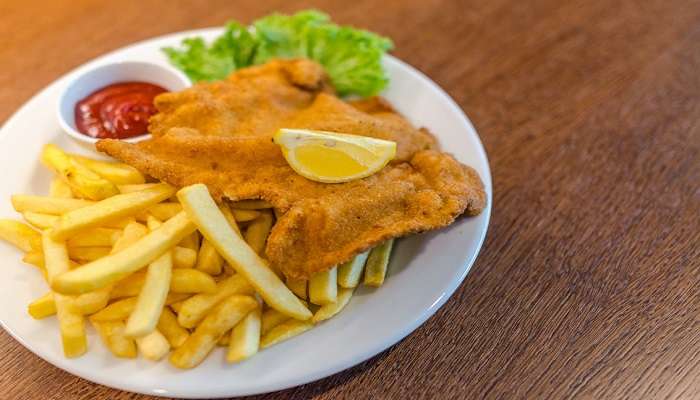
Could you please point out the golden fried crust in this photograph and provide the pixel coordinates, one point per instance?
(258, 101)
(324, 224)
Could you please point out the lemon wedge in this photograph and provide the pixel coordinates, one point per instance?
(331, 157)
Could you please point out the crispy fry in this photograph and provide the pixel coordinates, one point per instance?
(117, 311)
(47, 205)
(177, 306)
(286, 330)
(95, 237)
(114, 267)
(87, 254)
(251, 205)
(349, 273)
(224, 317)
(82, 181)
(230, 218)
(225, 338)
(20, 235)
(42, 307)
(270, 319)
(323, 287)
(118, 173)
(298, 287)
(151, 300)
(196, 307)
(113, 208)
(168, 326)
(191, 242)
(70, 320)
(135, 187)
(258, 231)
(112, 334)
(162, 211)
(245, 215)
(60, 189)
(184, 257)
(202, 210)
(377, 263)
(153, 346)
(92, 302)
(329, 310)
(182, 281)
(244, 340)
(209, 260)
(43, 221)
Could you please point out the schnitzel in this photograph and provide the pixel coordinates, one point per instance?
(220, 134)
(322, 224)
(257, 101)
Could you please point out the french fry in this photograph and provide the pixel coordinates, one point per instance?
(60, 189)
(113, 208)
(117, 311)
(114, 267)
(70, 320)
(377, 263)
(225, 338)
(224, 317)
(349, 273)
(20, 235)
(153, 346)
(92, 302)
(135, 187)
(184, 257)
(182, 281)
(329, 310)
(95, 237)
(118, 173)
(251, 204)
(208, 259)
(195, 308)
(286, 330)
(270, 319)
(82, 181)
(151, 299)
(42, 307)
(162, 211)
(47, 205)
(245, 215)
(298, 287)
(258, 231)
(202, 210)
(177, 306)
(323, 287)
(122, 309)
(87, 254)
(36, 258)
(191, 242)
(112, 334)
(230, 218)
(244, 340)
(144, 318)
(168, 326)
(43, 221)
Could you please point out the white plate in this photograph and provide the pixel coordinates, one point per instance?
(425, 269)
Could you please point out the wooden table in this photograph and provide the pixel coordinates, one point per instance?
(588, 285)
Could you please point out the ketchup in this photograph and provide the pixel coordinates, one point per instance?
(117, 111)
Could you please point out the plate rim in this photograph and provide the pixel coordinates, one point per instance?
(332, 368)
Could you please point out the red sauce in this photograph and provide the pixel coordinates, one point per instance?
(117, 111)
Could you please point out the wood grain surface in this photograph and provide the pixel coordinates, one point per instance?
(588, 285)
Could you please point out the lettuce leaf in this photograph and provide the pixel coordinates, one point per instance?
(352, 57)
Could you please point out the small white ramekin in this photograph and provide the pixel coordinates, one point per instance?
(91, 80)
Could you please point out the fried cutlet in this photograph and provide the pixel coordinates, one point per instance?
(257, 101)
(322, 224)
(220, 134)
